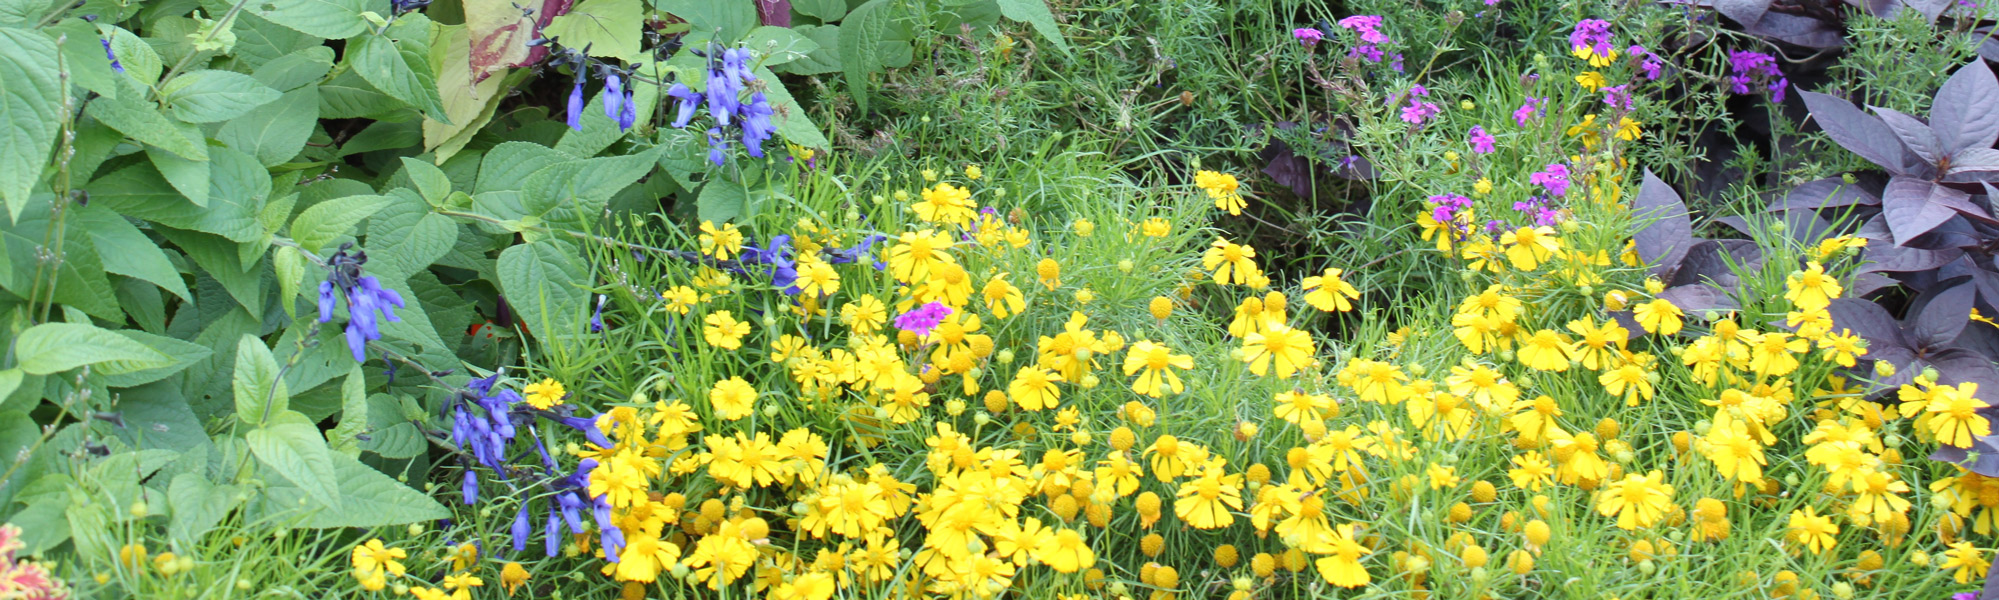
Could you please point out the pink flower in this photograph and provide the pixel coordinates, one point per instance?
(1528, 110)
(1308, 36)
(1555, 178)
(1481, 142)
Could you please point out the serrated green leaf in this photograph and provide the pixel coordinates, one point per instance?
(141, 61)
(349, 96)
(28, 109)
(289, 264)
(325, 222)
(198, 505)
(368, 499)
(779, 45)
(722, 200)
(22, 13)
(275, 132)
(508, 165)
(1036, 14)
(353, 414)
(609, 28)
(430, 181)
(220, 260)
(125, 250)
(826, 11)
(143, 121)
(80, 280)
(296, 70)
(861, 35)
(184, 354)
(574, 193)
(546, 287)
(391, 434)
(728, 20)
(83, 55)
(291, 445)
(51, 348)
(210, 96)
(238, 189)
(792, 122)
(330, 19)
(405, 236)
(260, 394)
(189, 177)
(397, 62)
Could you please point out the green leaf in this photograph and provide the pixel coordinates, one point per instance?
(275, 132)
(405, 236)
(728, 20)
(1036, 13)
(238, 189)
(28, 111)
(791, 120)
(509, 164)
(826, 11)
(189, 177)
(779, 45)
(824, 60)
(141, 120)
(183, 353)
(260, 394)
(367, 499)
(430, 180)
(220, 260)
(142, 62)
(330, 19)
(83, 55)
(22, 13)
(353, 414)
(325, 222)
(397, 62)
(291, 445)
(198, 505)
(127, 251)
(51, 348)
(213, 95)
(610, 28)
(349, 96)
(296, 70)
(861, 35)
(289, 264)
(392, 435)
(469, 101)
(546, 287)
(574, 193)
(79, 280)
(722, 200)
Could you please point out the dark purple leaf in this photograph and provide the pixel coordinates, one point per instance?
(1740, 224)
(1989, 50)
(1871, 322)
(1941, 315)
(1861, 133)
(1988, 287)
(1287, 168)
(1974, 160)
(1907, 366)
(1957, 366)
(1803, 31)
(1698, 298)
(1709, 261)
(1630, 324)
(1915, 134)
(1830, 192)
(1876, 228)
(1959, 201)
(1865, 284)
(1806, 227)
(1745, 12)
(1980, 340)
(775, 13)
(1965, 114)
(1668, 231)
(1884, 256)
(1929, 8)
(1990, 591)
(1987, 465)
(1906, 203)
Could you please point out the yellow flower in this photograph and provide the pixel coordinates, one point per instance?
(1965, 562)
(1629, 381)
(461, 585)
(1659, 316)
(732, 398)
(1341, 566)
(1156, 227)
(1066, 552)
(369, 557)
(1591, 80)
(1953, 415)
(1638, 501)
(1530, 471)
(723, 242)
(1033, 388)
(1155, 359)
(1003, 298)
(1291, 349)
(1528, 247)
(1735, 453)
(1627, 130)
(513, 576)
(1812, 531)
(545, 394)
(947, 203)
(1811, 288)
(1481, 187)
(724, 331)
(429, 593)
(644, 556)
(916, 252)
(1330, 293)
(1223, 188)
(1546, 350)
(1049, 272)
(1205, 501)
(1776, 353)
(865, 314)
(1230, 262)
(816, 279)
(1083, 227)
(680, 299)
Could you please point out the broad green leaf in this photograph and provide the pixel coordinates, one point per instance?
(238, 190)
(367, 499)
(727, 20)
(779, 45)
(610, 28)
(10, 380)
(289, 265)
(330, 19)
(1036, 13)
(380, 135)
(51, 348)
(430, 181)
(353, 414)
(27, 112)
(18, 437)
(259, 42)
(826, 11)
(22, 13)
(219, 259)
(125, 250)
(349, 96)
(79, 280)
(183, 354)
(325, 222)
(189, 177)
(391, 434)
(275, 132)
(198, 505)
(169, 420)
(211, 95)
(507, 166)
(397, 62)
(296, 70)
(791, 120)
(722, 200)
(83, 55)
(469, 105)
(405, 236)
(545, 285)
(861, 35)
(260, 394)
(574, 193)
(143, 121)
(291, 445)
(142, 63)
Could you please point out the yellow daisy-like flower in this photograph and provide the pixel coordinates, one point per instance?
(1637, 501)
(1156, 362)
(1546, 350)
(1591, 80)
(723, 331)
(816, 278)
(1205, 501)
(723, 242)
(1953, 415)
(1066, 552)
(732, 398)
(1528, 247)
(947, 203)
(1965, 562)
(545, 394)
(1628, 130)
(1156, 227)
(1812, 531)
(374, 557)
(1659, 317)
(1290, 349)
(1329, 292)
(1033, 388)
(1003, 298)
(1230, 262)
(1341, 566)
(915, 252)
(1223, 188)
(1811, 288)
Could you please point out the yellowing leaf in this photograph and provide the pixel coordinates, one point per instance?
(610, 28)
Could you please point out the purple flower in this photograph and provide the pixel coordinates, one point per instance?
(1648, 62)
(1369, 27)
(689, 102)
(922, 319)
(1555, 178)
(718, 146)
(1591, 34)
(614, 96)
(1528, 110)
(597, 319)
(115, 66)
(1447, 206)
(367, 300)
(576, 105)
(757, 126)
(1749, 67)
(1481, 142)
(1308, 36)
(1618, 96)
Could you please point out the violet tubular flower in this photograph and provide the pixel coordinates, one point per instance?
(576, 105)
(922, 319)
(113, 56)
(1555, 178)
(367, 300)
(1307, 36)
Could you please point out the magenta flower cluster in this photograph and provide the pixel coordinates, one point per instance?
(1749, 67)
(1419, 110)
(1481, 142)
(1554, 178)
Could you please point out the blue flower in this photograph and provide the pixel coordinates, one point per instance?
(576, 105)
(688, 103)
(115, 66)
(757, 126)
(718, 146)
(366, 300)
(597, 320)
(614, 96)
